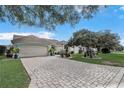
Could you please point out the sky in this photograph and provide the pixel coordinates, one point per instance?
(111, 18)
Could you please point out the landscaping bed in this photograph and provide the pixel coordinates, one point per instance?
(104, 59)
(12, 73)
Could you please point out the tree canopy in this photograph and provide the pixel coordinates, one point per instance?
(108, 39)
(101, 39)
(83, 37)
(46, 16)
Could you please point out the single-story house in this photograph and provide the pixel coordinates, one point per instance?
(32, 46)
(76, 49)
(2, 49)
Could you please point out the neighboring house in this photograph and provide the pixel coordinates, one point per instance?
(75, 49)
(2, 49)
(32, 46)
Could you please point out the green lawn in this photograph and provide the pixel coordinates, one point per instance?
(12, 74)
(106, 59)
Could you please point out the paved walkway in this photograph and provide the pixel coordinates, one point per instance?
(55, 72)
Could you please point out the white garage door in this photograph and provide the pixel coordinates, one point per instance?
(33, 51)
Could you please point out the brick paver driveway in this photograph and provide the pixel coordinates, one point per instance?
(54, 72)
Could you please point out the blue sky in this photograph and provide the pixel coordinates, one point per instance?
(111, 18)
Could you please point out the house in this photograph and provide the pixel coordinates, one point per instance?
(2, 49)
(32, 46)
(76, 49)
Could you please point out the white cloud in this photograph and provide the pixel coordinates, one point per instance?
(9, 36)
(122, 8)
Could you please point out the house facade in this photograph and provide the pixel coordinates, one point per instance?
(32, 46)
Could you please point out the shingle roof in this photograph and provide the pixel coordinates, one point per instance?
(34, 39)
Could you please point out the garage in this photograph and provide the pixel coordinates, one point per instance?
(33, 51)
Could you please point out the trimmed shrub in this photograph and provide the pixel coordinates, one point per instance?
(105, 50)
(72, 52)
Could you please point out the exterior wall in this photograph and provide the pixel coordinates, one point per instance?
(59, 48)
(75, 49)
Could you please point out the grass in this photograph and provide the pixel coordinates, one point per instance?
(12, 74)
(106, 59)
